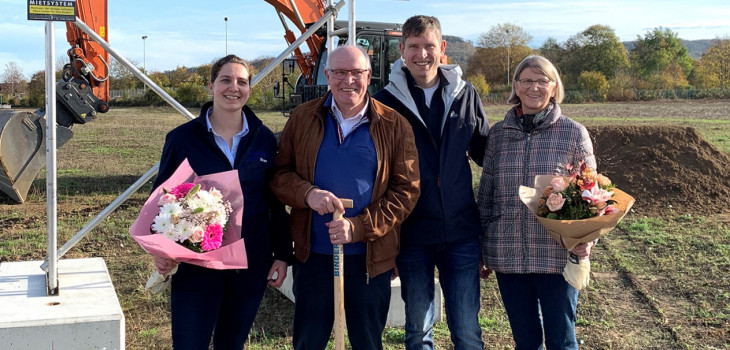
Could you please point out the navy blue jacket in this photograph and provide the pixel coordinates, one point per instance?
(446, 211)
(265, 224)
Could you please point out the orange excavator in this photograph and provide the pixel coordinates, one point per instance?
(83, 90)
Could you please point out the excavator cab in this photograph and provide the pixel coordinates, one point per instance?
(379, 40)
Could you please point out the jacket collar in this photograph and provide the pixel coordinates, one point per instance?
(398, 85)
(253, 120)
(375, 109)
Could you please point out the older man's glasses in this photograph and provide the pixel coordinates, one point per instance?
(357, 74)
(527, 83)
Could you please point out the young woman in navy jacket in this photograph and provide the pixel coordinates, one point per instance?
(227, 135)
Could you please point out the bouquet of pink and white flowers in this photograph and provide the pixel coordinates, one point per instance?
(576, 209)
(583, 195)
(188, 222)
(193, 217)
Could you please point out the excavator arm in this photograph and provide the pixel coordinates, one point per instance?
(302, 13)
(82, 93)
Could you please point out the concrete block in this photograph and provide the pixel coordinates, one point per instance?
(84, 315)
(396, 313)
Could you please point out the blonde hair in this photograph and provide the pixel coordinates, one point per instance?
(545, 67)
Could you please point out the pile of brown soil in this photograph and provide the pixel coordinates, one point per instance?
(667, 169)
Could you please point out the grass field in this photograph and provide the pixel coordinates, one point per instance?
(657, 283)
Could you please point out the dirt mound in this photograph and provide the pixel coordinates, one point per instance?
(663, 166)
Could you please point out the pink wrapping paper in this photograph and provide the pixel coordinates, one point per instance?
(232, 253)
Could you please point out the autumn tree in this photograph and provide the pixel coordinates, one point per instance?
(596, 49)
(159, 78)
(37, 89)
(204, 72)
(13, 80)
(507, 46)
(179, 76)
(595, 82)
(479, 83)
(121, 78)
(553, 51)
(262, 95)
(660, 60)
(716, 62)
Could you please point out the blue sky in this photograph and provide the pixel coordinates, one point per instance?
(190, 33)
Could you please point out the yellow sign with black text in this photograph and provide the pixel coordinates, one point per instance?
(52, 10)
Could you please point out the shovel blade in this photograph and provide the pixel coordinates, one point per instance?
(23, 150)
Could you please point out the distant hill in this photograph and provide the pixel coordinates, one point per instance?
(695, 47)
(459, 50)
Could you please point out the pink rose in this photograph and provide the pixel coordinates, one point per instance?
(555, 202)
(558, 184)
(166, 198)
(197, 235)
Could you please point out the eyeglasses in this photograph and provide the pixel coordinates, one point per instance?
(526, 83)
(357, 74)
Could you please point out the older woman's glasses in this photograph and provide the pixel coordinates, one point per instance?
(526, 83)
(357, 74)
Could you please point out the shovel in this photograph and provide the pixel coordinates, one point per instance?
(339, 263)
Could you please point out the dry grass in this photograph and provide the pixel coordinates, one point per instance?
(658, 283)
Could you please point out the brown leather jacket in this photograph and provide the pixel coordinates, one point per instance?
(395, 191)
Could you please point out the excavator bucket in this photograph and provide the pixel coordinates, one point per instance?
(23, 150)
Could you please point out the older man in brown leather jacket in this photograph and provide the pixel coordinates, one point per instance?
(345, 145)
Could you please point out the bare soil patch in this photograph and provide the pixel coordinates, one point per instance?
(665, 168)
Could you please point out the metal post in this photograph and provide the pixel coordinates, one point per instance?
(226, 20)
(351, 23)
(51, 205)
(144, 54)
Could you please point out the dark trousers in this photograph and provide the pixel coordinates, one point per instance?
(221, 303)
(366, 304)
(537, 304)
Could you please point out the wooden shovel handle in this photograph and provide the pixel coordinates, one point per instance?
(338, 259)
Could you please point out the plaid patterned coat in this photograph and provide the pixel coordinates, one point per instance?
(512, 239)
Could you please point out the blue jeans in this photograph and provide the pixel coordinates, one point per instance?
(537, 303)
(458, 265)
(366, 303)
(221, 303)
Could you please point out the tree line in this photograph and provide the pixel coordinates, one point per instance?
(188, 85)
(595, 66)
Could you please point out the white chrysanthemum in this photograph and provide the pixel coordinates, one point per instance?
(195, 202)
(183, 230)
(220, 211)
(216, 194)
(171, 209)
(163, 224)
(207, 197)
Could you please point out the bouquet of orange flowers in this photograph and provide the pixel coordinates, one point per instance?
(576, 209)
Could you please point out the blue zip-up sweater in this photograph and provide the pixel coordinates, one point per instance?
(446, 210)
(355, 159)
(265, 224)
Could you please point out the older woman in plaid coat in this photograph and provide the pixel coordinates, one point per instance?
(533, 139)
